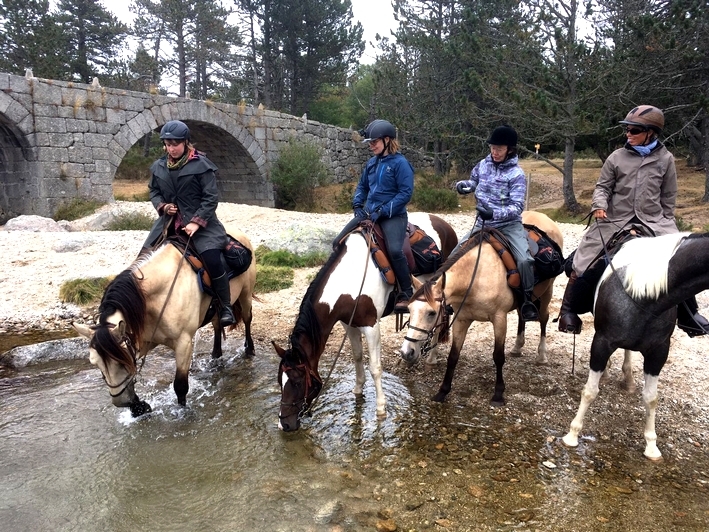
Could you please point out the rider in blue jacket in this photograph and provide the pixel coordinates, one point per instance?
(383, 191)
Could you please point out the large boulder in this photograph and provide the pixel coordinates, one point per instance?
(27, 355)
(33, 223)
(301, 239)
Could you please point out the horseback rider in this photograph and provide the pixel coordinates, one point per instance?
(183, 189)
(637, 187)
(500, 188)
(383, 191)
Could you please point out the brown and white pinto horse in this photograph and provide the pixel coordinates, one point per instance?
(490, 298)
(348, 287)
(158, 301)
(636, 309)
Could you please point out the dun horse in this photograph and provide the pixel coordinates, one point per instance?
(490, 298)
(636, 309)
(158, 301)
(349, 288)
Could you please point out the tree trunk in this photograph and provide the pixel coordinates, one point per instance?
(570, 202)
(705, 153)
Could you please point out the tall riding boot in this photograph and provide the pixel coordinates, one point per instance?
(569, 321)
(527, 309)
(403, 278)
(221, 288)
(689, 319)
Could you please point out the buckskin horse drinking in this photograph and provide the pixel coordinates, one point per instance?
(349, 288)
(158, 301)
(473, 286)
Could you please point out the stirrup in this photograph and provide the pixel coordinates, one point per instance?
(529, 312)
(570, 323)
(699, 326)
(226, 317)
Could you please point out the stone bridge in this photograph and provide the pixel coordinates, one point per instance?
(62, 140)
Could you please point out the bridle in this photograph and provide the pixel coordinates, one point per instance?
(442, 322)
(312, 380)
(129, 379)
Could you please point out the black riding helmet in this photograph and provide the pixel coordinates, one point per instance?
(503, 136)
(175, 130)
(378, 129)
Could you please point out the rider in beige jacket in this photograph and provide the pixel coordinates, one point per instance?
(637, 186)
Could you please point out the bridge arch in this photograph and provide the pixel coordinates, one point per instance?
(243, 173)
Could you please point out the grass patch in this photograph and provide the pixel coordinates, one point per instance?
(75, 209)
(83, 291)
(682, 225)
(266, 257)
(273, 278)
(562, 215)
(131, 222)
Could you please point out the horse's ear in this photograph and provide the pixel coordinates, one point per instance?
(120, 329)
(83, 330)
(278, 349)
(416, 283)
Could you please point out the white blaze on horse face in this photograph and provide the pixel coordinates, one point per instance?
(346, 277)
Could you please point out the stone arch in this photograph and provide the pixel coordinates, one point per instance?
(243, 174)
(19, 170)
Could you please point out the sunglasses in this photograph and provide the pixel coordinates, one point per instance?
(635, 130)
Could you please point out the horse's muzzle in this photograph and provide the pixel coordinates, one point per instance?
(289, 424)
(410, 356)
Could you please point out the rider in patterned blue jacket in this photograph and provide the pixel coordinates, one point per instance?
(383, 191)
(500, 188)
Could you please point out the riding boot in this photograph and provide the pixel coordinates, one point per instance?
(689, 319)
(221, 289)
(569, 321)
(527, 309)
(403, 277)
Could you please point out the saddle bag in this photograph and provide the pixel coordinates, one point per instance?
(549, 259)
(426, 254)
(237, 257)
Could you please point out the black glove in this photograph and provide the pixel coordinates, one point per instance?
(463, 187)
(359, 212)
(484, 212)
(375, 215)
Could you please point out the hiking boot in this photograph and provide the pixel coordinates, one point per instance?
(402, 303)
(695, 325)
(529, 312)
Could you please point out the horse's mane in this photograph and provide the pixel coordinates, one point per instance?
(307, 324)
(473, 242)
(646, 262)
(122, 295)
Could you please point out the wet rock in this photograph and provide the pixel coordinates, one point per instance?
(386, 525)
(67, 349)
(326, 514)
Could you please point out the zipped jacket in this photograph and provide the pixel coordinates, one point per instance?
(386, 185)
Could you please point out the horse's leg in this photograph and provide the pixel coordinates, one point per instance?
(355, 337)
(183, 361)
(499, 324)
(628, 383)
(247, 315)
(544, 301)
(516, 351)
(217, 344)
(650, 400)
(601, 351)
(374, 344)
(432, 356)
(460, 329)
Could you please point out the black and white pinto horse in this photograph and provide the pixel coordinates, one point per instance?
(350, 289)
(636, 309)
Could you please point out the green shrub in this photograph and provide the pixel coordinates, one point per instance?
(429, 199)
(272, 278)
(83, 291)
(75, 209)
(296, 173)
(144, 196)
(135, 166)
(131, 222)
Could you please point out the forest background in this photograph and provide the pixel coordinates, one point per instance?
(562, 72)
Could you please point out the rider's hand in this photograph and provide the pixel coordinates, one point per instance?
(170, 209)
(464, 187)
(599, 213)
(191, 228)
(375, 215)
(359, 212)
(484, 212)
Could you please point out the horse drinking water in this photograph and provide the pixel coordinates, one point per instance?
(488, 298)
(636, 309)
(348, 288)
(158, 301)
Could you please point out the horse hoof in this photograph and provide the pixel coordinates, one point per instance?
(570, 441)
(139, 408)
(249, 353)
(382, 414)
(439, 397)
(497, 402)
(515, 354)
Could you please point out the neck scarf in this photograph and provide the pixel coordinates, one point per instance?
(179, 163)
(645, 150)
